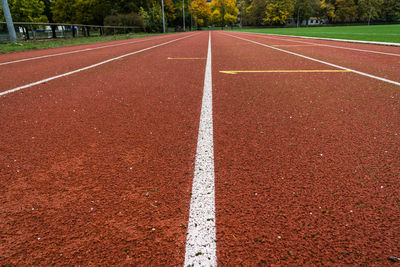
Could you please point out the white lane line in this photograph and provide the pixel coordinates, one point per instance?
(81, 50)
(333, 46)
(89, 67)
(320, 61)
(201, 239)
(336, 40)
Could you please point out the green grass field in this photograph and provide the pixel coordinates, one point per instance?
(379, 33)
(51, 43)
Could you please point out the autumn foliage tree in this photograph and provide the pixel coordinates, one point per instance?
(147, 13)
(201, 12)
(278, 11)
(27, 10)
(224, 12)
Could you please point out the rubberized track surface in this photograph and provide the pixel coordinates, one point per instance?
(97, 167)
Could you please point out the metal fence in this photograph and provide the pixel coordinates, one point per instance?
(30, 30)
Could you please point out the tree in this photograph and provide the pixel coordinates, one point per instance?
(255, 12)
(64, 11)
(346, 11)
(49, 15)
(201, 11)
(390, 10)
(152, 18)
(369, 9)
(28, 10)
(81, 11)
(224, 12)
(326, 10)
(278, 11)
(169, 10)
(304, 9)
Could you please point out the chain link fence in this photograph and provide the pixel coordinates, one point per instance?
(36, 31)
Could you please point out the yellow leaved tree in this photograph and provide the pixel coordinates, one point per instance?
(224, 12)
(201, 12)
(278, 11)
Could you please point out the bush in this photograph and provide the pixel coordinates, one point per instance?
(131, 19)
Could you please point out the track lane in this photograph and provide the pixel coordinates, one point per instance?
(19, 74)
(306, 163)
(386, 66)
(13, 58)
(369, 48)
(97, 168)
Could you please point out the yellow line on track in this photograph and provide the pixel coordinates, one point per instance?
(291, 45)
(278, 71)
(185, 58)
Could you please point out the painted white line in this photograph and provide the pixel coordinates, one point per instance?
(201, 239)
(333, 46)
(79, 51)
(332, 39)
(89, 67)
(319, 61)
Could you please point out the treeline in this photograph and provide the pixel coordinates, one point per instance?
(147, 14)
(278, 12)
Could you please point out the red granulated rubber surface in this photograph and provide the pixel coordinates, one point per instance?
(96, 168)
(385, 66)
(21, 73)
(307, 164)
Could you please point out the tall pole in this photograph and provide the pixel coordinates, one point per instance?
(369, 16)
(298, 16)
(191, 15)
(163, 18)
(183, 12)
(10, 24)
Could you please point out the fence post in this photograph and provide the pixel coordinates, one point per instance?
(27, 33)
(33, 32)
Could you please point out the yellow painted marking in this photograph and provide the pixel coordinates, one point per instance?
(278, 71)
(291, 45)
(185, 58)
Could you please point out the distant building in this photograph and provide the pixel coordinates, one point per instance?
(313, 21)
(316, 21)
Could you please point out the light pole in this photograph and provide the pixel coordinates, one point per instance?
(369, 16)
(10, 24)
(298, 16)
(163, 18)
(183, 14)
(195, 17)
(191, 15)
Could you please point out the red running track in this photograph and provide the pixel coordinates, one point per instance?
(21, 73)
(97, 167)
(307, 164)
(382, 65)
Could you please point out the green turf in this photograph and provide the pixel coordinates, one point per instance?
(42, 44)
(379, 33)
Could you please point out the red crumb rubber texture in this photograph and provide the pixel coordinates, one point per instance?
(21, 73)
(307, 164)
(385, 66)
(96, 168)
